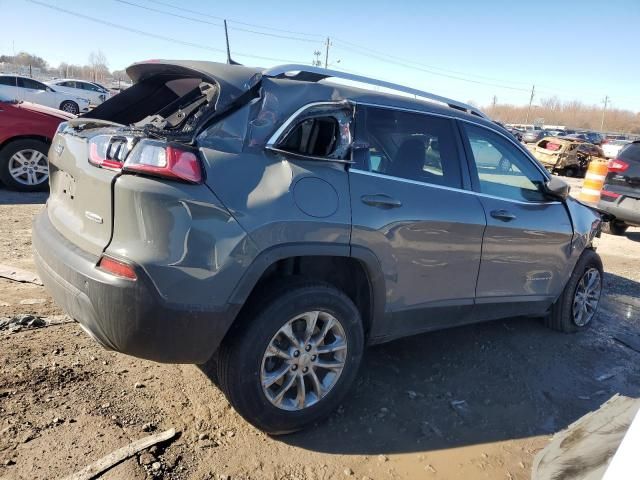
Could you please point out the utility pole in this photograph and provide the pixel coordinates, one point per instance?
(533, 92)
(606, 101)
(326, 53)
(494, 102)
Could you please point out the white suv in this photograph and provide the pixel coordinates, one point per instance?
(30, 90)
(95, 93)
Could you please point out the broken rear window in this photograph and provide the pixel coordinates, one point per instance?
(322, 131)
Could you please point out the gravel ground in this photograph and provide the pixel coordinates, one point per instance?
(472, 402)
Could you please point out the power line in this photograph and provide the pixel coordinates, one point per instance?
(166, 4)
(219, 25)
(154, 35)
(432, 72)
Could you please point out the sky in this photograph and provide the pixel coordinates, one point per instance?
(466, 50)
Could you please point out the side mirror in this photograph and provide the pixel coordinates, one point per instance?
(557, 188)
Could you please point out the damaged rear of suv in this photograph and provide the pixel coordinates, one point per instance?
(266, 225)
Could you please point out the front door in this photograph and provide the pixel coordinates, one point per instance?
(410, 209)
(527, 243)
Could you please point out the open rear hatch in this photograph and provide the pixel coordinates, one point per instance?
(169, 101)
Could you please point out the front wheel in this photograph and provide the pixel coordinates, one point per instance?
(292, 357)
(70, 107)
(576, 308)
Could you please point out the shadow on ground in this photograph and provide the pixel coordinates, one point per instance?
(12, 197)
(483, 383)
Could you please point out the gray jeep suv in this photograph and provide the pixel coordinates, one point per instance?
(268, 224)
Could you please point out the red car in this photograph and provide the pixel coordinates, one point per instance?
(26, 131)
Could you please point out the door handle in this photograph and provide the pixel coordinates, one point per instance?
(503, 215)
(381, 200)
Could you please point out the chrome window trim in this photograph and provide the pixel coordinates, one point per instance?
(451, 189)
(273, 139)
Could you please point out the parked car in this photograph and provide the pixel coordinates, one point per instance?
(612, 148)
(95, 93)
(620, 195)
(30, 90)
(591, 137)
(533, 136)
(26, 130)
(267, 227)
(565, 155)
(515, 132)
(556, 133)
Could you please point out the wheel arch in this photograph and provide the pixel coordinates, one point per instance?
(354, 270)
(10, 140)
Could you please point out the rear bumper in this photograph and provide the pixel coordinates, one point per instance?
(618, 210)
(123, 315)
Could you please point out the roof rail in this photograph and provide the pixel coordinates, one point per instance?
(314, 74)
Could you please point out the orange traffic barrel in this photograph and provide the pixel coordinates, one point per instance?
(593, 181)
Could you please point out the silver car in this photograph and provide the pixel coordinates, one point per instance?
(269, 224)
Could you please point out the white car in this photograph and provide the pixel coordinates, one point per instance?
(82, 88)
(613, 147)
(30, 90)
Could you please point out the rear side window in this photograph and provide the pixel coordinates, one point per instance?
(630, 153)
(408, 145)
(8, 81)
(316, 137)
(322, 131)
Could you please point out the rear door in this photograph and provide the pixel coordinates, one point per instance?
(527, 242)
(410, 209)
(36, 92)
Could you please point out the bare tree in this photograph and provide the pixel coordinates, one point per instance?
(572, 114)
(99, 66)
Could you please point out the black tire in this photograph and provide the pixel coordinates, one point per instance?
(614, 227)
(70, 107)
(560, 317)
(8, 151)
(570, 172)
(240, 357)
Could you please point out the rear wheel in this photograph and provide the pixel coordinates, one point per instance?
(570, 172)
(292, 357)
(24, 165)
(578, 304)
(70, 107)
(614, 227)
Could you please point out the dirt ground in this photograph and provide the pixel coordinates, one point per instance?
(472, 402)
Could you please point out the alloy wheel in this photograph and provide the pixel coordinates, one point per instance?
(587, 297)
(303, 361)
(29, 167)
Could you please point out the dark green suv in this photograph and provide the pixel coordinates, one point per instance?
(268, 224)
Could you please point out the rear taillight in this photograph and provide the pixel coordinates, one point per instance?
(107, 151)
(605, 193)
(117, 268)
(617, 165)
(156, 158)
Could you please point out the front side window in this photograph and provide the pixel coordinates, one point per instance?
(503, 170)
(408, 145)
